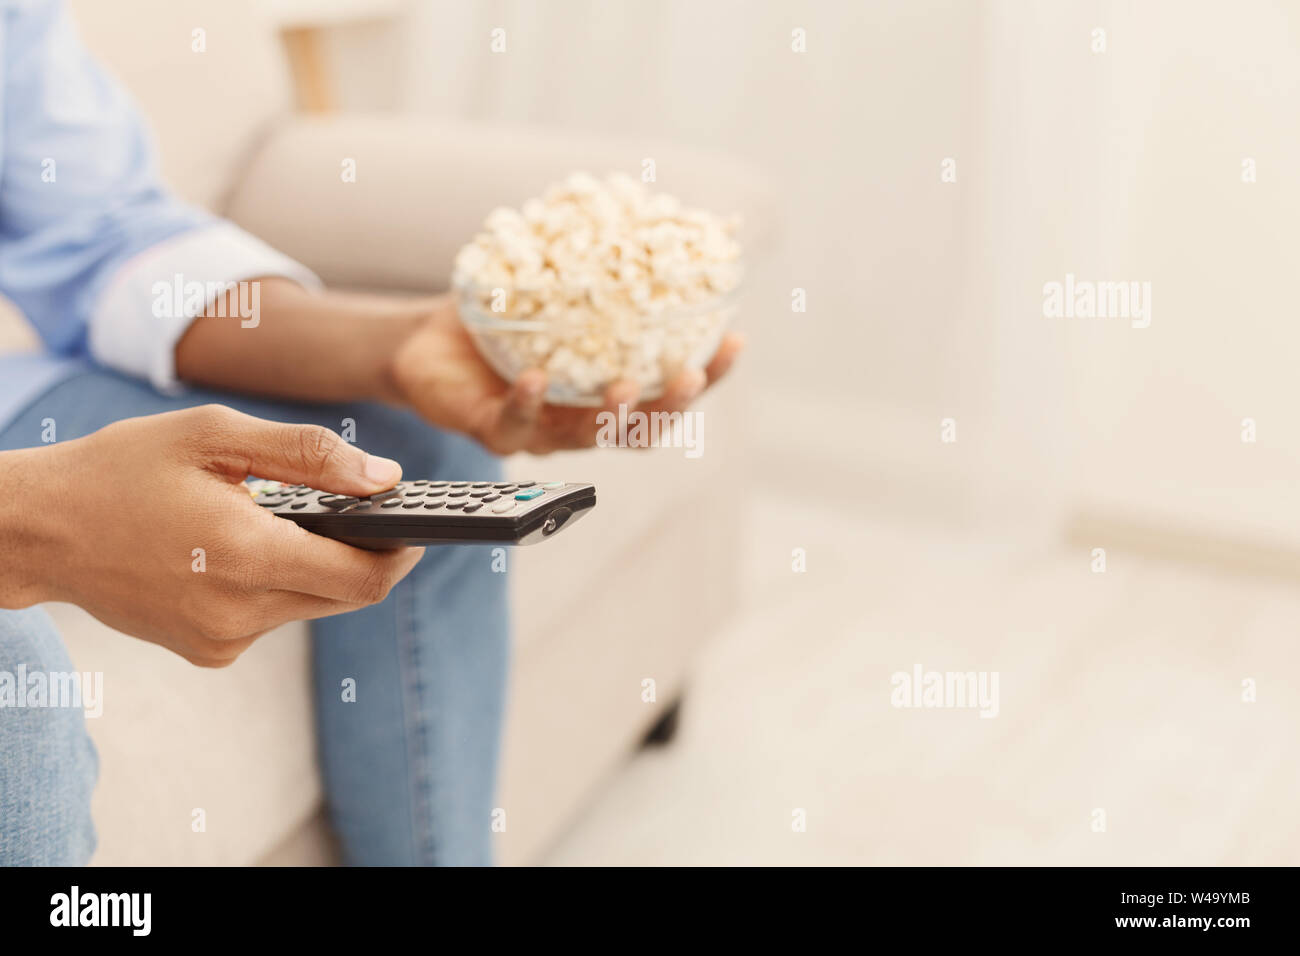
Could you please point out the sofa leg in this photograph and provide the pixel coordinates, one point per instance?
(665, 728)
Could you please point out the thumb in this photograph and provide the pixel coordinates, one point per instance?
(310, 454)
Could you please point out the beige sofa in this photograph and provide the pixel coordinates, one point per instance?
(628, 596)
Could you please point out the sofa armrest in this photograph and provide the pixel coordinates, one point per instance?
(422, 189)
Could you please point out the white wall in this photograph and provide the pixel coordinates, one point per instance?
(1196, 89)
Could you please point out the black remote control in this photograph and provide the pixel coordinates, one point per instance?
(433, 512)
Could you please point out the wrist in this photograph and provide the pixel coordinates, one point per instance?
(33, 537)
(386, 380)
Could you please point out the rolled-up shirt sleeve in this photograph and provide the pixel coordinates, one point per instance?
(92, 245)
(150, 300)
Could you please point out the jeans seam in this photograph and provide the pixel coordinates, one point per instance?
(418, 718)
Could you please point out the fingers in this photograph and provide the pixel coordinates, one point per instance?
(312, 565)
(732, 345)
(526, 422)
(282, 607)
(623, 392)
(691, 383)
(283, 573)
(260, 614)
(310, 454)
(682, 389)
(567, 429)
(585, 428)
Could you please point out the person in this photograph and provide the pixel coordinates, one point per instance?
(125, 443)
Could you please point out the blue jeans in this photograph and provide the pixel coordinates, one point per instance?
(409, 766)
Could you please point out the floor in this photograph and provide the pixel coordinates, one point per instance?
(1121, 737)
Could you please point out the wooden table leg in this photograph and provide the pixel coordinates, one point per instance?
(311, 77)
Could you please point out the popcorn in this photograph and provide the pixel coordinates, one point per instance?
(600, 280)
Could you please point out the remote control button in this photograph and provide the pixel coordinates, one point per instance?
(298, 505)
(384, 495)
(433, 505)
(529, 494)
(460, 484)
(439, 484)
(487, 498)
(455, 504)
(435, 498)
(304, 492)
(472, 506)
(338, 501)
(503, 484)
(422, 481)
(525, 484)
(477, 494)
(482, 484)
(390, 503)
(413, 493)
(269, 502)
(503, 507)
(457, 494)
(553, 484)
(412, 503)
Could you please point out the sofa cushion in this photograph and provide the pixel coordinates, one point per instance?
(636, 491)
(423, 188)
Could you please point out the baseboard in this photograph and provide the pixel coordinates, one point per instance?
(879, 458)
(1184, 542)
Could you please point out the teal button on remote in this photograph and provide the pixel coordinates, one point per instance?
(529, 494)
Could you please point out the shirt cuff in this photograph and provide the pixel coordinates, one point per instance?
(152, 299)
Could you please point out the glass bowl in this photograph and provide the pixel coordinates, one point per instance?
(585, 349)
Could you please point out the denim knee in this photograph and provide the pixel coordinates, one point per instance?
(422, 450)
(48, 765)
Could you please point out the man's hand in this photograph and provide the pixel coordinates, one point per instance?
(147, 524)
(438, 371)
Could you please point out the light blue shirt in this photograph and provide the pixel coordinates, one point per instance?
(81, 203)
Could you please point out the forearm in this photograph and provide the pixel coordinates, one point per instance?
(303, 345)
(29, 529)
